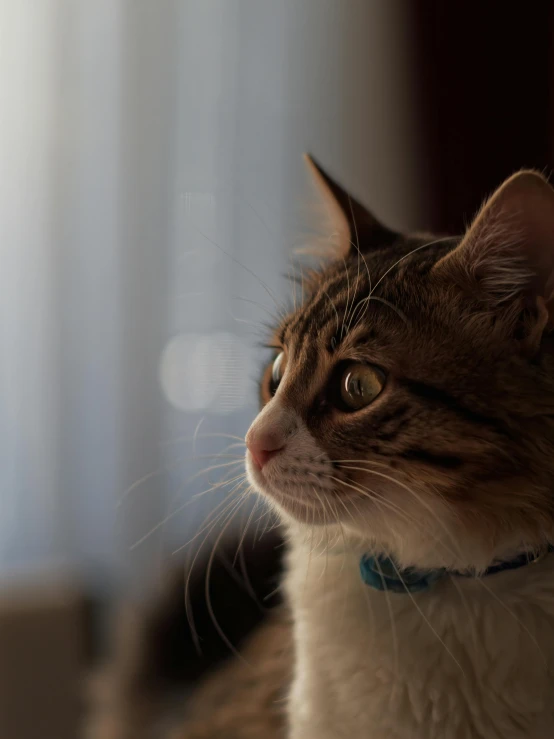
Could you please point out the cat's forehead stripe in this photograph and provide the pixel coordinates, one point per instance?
(331, 299)
(309, 364)
(345, 284)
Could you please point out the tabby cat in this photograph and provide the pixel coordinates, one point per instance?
(407, 441)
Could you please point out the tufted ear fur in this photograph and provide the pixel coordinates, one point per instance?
(506, 258)
(351, 223)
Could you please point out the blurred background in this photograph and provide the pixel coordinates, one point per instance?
(152, 193)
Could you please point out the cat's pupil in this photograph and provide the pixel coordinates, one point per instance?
(354, 385)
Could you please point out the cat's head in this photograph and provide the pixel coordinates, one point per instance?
(410, 403)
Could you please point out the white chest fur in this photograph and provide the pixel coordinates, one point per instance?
(467, 660)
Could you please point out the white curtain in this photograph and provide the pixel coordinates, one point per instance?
(151, 192)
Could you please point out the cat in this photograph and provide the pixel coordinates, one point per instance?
(406, 439)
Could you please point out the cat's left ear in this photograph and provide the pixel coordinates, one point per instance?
(506, 258)
(352, 225)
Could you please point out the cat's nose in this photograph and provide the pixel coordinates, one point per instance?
(263, 446)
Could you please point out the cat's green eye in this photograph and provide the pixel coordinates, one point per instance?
(276, 373)
(360, 384)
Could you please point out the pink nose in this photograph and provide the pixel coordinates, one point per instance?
(263, 447)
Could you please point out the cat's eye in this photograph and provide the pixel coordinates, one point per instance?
(359, 385)
(276, 373)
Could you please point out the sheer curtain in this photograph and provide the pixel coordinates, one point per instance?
(150, 186)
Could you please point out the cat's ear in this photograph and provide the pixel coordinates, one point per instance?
(506, 258)
(352, 225)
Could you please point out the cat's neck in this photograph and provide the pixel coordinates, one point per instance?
(385, 664)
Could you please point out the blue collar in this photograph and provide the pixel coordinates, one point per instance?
(382, 572)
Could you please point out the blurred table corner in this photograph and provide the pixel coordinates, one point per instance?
(42, 647)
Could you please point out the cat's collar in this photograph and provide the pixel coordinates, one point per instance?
(382, 572)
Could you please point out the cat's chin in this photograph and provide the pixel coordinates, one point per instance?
(300, 505)
(296, 509)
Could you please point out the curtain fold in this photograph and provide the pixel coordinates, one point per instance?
(151, 194)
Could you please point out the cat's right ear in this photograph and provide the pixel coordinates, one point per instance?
(352, 226)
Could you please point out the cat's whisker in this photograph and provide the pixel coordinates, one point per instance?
(364, 588)
(470, 615)
(256, 303)
(274, 592)
(215, 435)
(220, 455)
(334, 308)
(293, 284)
(378, 499)
(235, 462)
(423, 616)
(276, 523)
(212, 518)
(243, 266)
(302, 284)
(213, 617)
(370, 291)
(267, 526)
(244, 570)
(162, 469)
(370, 462)
(323, 502)
(188, 570)
(377, 299)
(246, 579)
(311, 550)
(374, 495)
(207, 521)
(405, 256)
(245, 529)
(515, 618)
(419, 499)
(245, 321)
(356, 307)
(261, 220)
(345, 549)
(356, 245)
(180, 508)
(347, 297)
(216, 486)
(394, 634)
(363, 302)
(341, 529)
(326, 548)
(241, 578)
(196, 432)
(233, 507)
(350, 313)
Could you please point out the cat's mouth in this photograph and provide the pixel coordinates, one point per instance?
(282, 486)
(305, 496)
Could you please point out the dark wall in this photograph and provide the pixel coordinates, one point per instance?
(485, 85)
